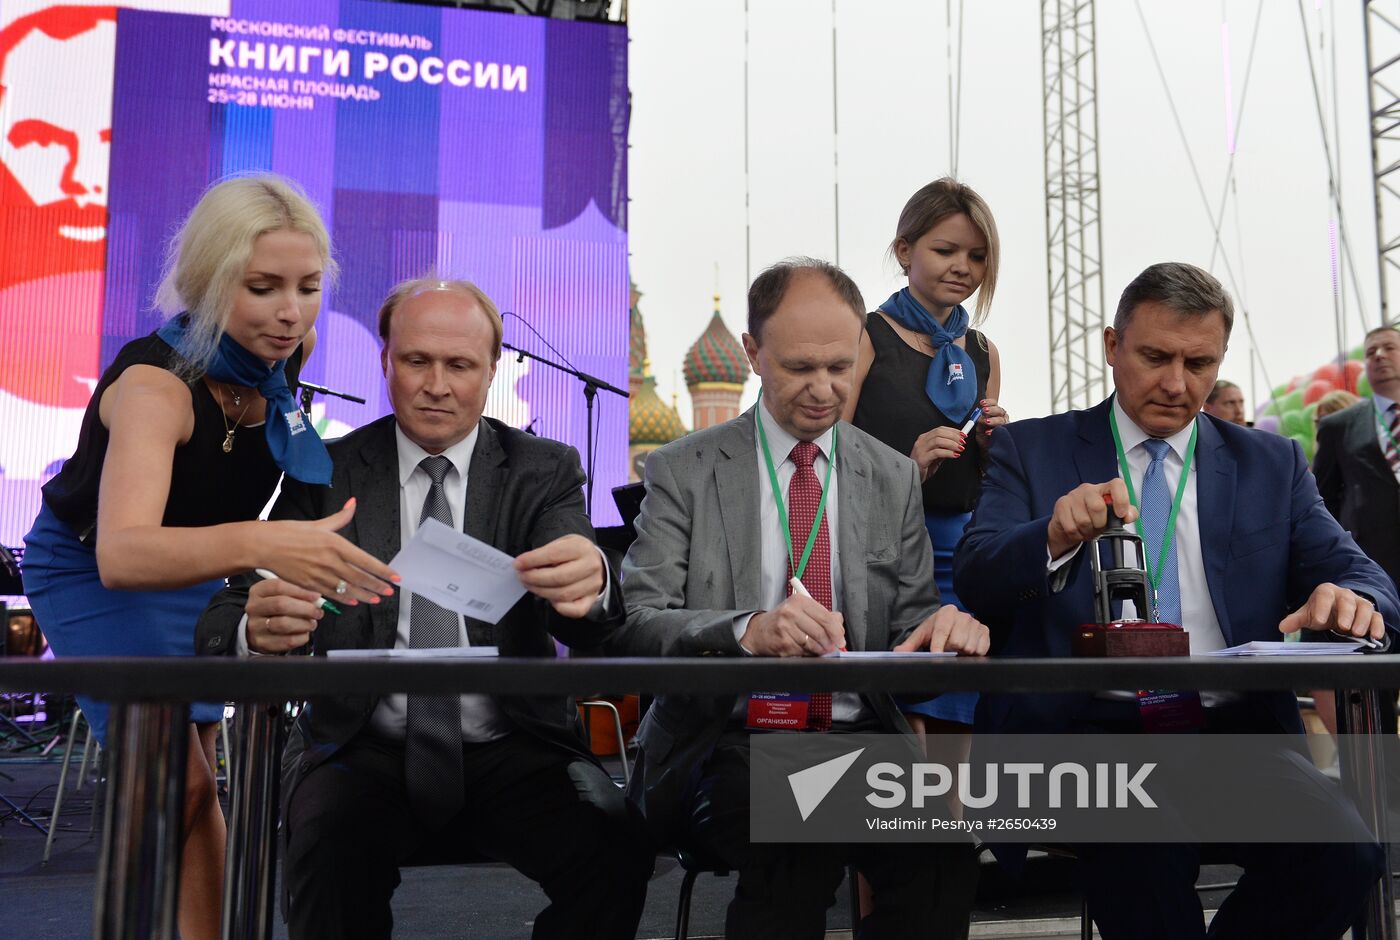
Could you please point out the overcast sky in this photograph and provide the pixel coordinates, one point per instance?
(687, 159)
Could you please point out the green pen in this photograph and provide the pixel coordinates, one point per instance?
(321, 602)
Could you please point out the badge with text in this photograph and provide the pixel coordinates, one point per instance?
(1166, 712)
(781, 711)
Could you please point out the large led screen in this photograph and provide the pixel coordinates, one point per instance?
(480, 145)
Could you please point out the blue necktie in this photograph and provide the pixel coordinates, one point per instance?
(1156, 507)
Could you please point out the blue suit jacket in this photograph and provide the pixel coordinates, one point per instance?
(1268, 541)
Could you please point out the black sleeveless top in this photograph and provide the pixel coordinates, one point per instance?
(207, 486)
(894, 408)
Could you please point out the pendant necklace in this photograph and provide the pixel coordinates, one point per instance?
(228, 431)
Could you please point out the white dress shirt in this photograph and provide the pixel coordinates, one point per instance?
(482, 719)
(773, 557)
(1197, 611)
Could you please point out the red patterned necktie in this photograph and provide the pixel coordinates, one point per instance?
(804, 494)
(1392, 456)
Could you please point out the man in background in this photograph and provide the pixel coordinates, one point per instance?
(1226, 402)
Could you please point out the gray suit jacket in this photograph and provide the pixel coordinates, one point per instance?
(1357, 484)
(694, 571)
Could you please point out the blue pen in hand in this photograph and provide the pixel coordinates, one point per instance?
(971, 420)
(321, 602)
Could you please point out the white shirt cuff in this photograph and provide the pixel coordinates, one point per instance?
(741, 624)
(1055, 564)
(605, 596)
(240, 646)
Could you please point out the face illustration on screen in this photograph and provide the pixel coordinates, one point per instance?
(56, 137)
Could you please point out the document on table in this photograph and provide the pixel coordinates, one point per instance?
(886, 654)
(437, 652)
(456, 571)
(1280, 648)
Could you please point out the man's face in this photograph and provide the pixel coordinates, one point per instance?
(438, 365)
(1228, 405)
(807, 356)
(56, 138)
(1383, 361)
(1164, 365)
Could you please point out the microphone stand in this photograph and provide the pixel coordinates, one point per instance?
(308, 391)
(592, 385)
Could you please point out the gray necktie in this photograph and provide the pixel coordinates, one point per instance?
(433, 742)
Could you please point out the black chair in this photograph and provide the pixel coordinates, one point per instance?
(696, 864)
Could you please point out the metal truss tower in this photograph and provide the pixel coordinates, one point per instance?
(1383, 74)
(1073, 231)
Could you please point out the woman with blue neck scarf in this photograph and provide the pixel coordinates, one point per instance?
(184, 440)
(923, 374)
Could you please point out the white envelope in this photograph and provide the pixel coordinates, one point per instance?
(456, 571)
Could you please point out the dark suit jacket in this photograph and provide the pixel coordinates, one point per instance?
(522, 492)
(1358, 485)
(1268, 541)
(694, 570)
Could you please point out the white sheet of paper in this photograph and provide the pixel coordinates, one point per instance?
(456, 571)
(1280, 648)
(887, 654)
(437, 652)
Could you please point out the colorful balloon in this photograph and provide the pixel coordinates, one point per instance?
(1294, 423)
(1267, 423)
(1363, 385)
(1352, 371)
(1331, 373)
(1316, 389)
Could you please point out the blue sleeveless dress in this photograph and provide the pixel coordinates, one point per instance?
(81, 617)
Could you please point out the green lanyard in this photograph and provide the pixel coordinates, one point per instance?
(798, 567)
(1169, 532)
(1385, 428)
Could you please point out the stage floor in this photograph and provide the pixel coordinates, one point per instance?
(54, 902)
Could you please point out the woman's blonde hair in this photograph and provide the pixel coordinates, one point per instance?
(934, 203)
(1334, 401)
(206, 259)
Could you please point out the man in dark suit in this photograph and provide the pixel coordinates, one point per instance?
(1253, 552)
(370, 781)
(1356, 469)
(709, 575)
(1356, 461)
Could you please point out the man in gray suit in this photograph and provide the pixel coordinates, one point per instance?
(709, 574)
(370, 782)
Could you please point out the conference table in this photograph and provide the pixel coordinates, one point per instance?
(137, 873)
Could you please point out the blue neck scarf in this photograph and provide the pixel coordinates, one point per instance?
(951, 383)
(295, 446)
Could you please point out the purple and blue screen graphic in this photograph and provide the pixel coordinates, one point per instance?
(479, 145)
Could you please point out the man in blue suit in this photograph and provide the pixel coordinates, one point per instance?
(1241, 550)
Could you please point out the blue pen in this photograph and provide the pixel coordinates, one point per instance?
(972, 419)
